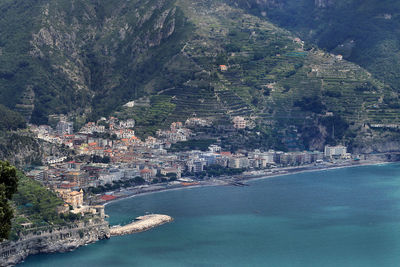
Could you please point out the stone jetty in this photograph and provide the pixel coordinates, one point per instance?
(140, 224)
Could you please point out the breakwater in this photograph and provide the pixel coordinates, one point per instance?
(70, 237)
(140, 224)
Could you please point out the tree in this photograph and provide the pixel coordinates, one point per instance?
(139, 180)
(8, 186)
(171, 175)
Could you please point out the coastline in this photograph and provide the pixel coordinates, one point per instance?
(227, 181)
(335, 167)
(64, 239)
(147, 222)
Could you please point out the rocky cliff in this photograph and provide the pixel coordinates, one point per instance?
(21, 148)
(55, 240)
(79, 53)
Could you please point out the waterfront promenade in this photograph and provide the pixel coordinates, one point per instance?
(232, 180)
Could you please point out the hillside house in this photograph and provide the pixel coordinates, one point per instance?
(223, 67)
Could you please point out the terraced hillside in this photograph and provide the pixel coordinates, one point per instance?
(269, 69)
(363, 31)
(187, 58)
(270, 76)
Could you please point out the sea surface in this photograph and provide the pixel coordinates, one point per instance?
(341, 217)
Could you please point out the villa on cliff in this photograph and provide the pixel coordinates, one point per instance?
(73, 198)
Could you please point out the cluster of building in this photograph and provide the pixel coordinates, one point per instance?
(64, 131)
(197, 122)
(176, 133)
(129, 157)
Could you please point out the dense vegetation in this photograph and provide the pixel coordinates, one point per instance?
(62, 56)
(116, 185)
(148, 119)
(88, 58)
(214, 171)
(8, 186)
(10, 120)
(37, 206)
(192, 145)
(37, 203)
(217, 170)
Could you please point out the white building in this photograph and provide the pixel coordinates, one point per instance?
(214, 148)
(130, 104)
(196, 165)
(238, 162)
(125, 133)
(197, 122)
(65, 127)
(110, 176)
(53, 160)
(130, 123)
(335, 151)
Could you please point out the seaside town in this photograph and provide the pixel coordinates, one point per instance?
(207, 133)
(121, 164)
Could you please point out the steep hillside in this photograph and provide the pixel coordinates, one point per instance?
(8, 186)
(16, 145)
(274, 78)
(363, 31)
(20, 147)
(71, 55)
(34, 204)
(183, 58)
(10, 120)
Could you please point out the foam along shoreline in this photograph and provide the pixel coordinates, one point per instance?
(140, 224)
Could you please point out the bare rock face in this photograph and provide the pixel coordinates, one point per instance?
(81, 51)
(377, 146)
(21, 148)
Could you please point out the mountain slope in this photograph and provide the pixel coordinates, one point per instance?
(279, 80)
(69, 55)
(88, 58)
(363, 31)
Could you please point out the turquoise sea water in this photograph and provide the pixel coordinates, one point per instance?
(343, 217)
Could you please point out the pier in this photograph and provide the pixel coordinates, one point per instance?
(140, 224)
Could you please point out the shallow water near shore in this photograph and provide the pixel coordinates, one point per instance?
(342, 217)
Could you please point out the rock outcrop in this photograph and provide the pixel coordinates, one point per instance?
(68, 238)
(22, 148)
(53, 240)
